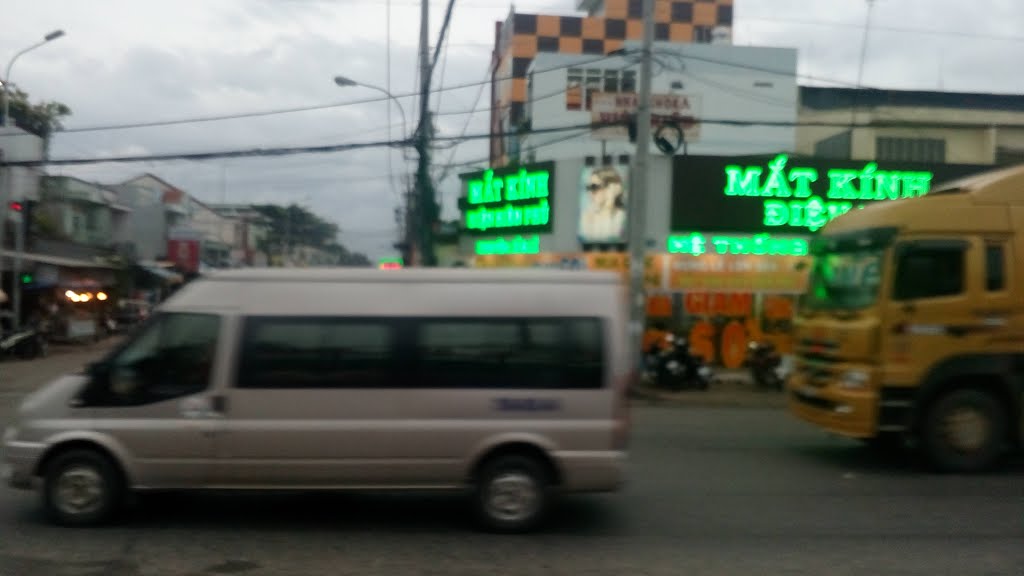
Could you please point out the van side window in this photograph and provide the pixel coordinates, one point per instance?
(929, 271)
(171, 358)
(995, 267)
(535, 353)
(316, 353)
(470, 353)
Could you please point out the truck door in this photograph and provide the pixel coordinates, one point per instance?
(930, 311)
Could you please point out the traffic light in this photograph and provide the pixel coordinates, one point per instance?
(16, 206)
(27, 279)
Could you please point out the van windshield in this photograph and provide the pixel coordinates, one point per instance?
(844, 280)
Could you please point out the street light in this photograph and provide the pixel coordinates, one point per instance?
(5, 188)
(344, 82)
(7, 73)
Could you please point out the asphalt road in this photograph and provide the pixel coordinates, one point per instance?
(718, 491)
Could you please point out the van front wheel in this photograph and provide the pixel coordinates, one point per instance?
(512, 494)
(81, 488)
(964, 431)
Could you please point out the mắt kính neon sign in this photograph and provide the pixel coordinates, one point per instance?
(696, 243)
(790, 200)
(516, 200)
(501, 246)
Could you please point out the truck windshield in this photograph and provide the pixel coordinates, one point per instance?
(844, 280)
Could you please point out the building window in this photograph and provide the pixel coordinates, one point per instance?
(910, 149)
(520, 66)
(582, 83)
(615, 29)
(547, 44)
(524, 24)
(682, 12)
(92, 220)
(703, 34)
(592, 46)
(571, 27)
(635, 9)
(725, 15)
(517, 112)
(837, 146)
(661, 31)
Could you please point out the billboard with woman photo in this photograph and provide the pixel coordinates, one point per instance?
(603, 195)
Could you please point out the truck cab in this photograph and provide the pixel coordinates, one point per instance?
(912, 327)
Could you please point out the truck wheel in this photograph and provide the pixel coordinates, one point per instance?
(964, 431)
(82, 488)
(512, 494)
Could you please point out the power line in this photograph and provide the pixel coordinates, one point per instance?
(465, 126)
(855, 25)
(289, 151)
(532, 148)
(242, 115)
(279, 111)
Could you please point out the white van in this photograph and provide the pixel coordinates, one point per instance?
(512, 383)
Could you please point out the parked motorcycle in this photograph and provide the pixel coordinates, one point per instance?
(676, 368)
(25, 344)
(765, 365)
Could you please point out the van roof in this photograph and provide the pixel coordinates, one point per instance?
(430, 275)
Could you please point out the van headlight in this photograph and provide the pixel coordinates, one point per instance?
(854, 380)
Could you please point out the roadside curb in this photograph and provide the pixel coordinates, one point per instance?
(722, 394)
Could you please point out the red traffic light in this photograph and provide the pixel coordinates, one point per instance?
(17, 206)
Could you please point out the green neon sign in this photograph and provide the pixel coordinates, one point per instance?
(517, 245)
(519, 199)
(696, 243)
(790, 201)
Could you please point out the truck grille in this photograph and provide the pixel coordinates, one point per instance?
(815, 360)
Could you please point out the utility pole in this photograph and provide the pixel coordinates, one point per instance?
(5, 207)
(638, 195)
(424, 186)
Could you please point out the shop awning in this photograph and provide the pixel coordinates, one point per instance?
(165, 275)
(58, 260)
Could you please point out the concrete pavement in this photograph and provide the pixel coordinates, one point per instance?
(712, 491)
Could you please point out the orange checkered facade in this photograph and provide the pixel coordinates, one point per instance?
(522, 36)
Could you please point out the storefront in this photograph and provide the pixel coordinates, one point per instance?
(66, 296)
(734, 232)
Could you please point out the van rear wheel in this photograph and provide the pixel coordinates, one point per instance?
(512, 493)
(81, 488)
(964, 431)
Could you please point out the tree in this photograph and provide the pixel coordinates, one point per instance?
(42, 118)
(293, 225)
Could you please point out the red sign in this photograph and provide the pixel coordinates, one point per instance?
(184, 254)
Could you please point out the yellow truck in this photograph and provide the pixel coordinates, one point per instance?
(912, 327)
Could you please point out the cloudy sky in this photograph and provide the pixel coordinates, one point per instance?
(128, 61)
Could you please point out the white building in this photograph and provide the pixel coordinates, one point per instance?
(720, 82)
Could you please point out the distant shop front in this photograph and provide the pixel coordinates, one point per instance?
(734, 232)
